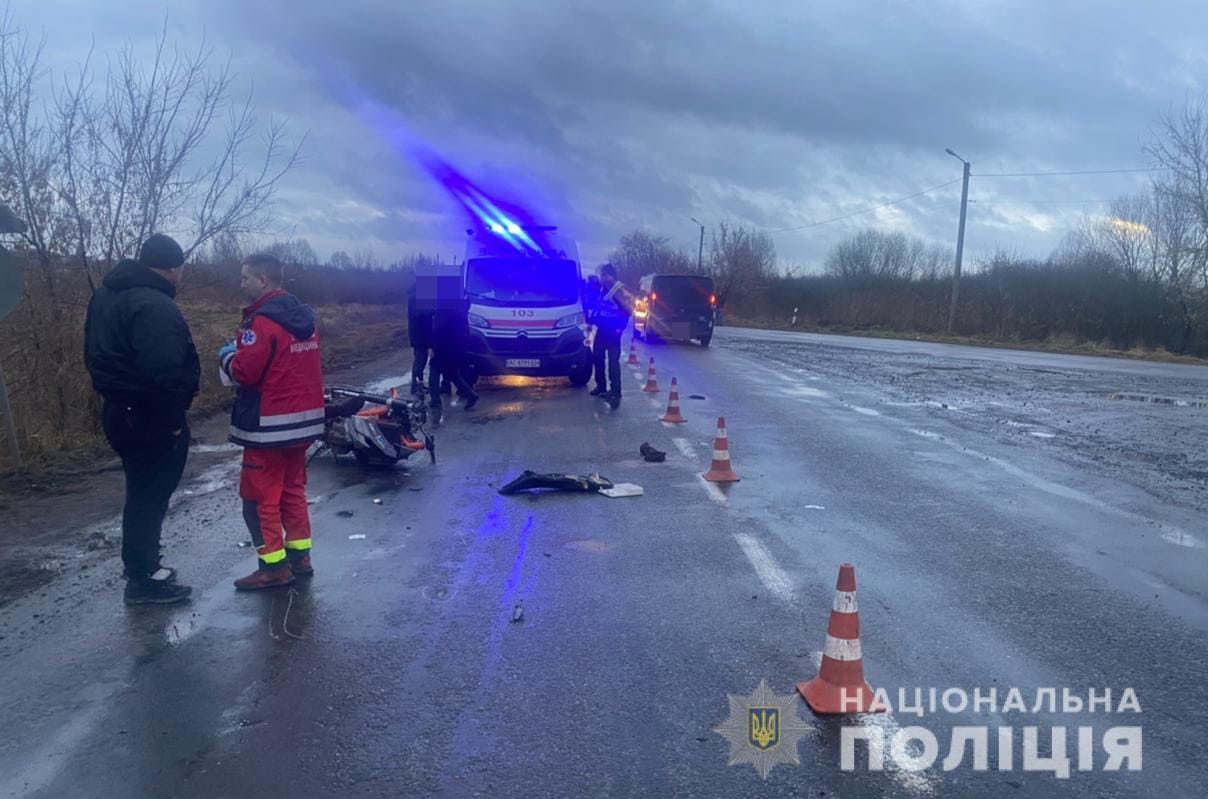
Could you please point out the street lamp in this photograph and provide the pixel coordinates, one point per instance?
(700, 252)
(960, 240)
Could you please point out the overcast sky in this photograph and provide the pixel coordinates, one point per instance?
(612, 115)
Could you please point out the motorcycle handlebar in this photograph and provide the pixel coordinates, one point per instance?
(377, 399)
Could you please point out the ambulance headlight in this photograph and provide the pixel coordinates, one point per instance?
(570, 321)
(478, 321)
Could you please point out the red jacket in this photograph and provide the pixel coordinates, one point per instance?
(280, 377)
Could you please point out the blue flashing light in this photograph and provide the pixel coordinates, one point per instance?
(496, 227)
(513, 228)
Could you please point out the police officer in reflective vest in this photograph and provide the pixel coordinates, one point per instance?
(278, 412)
(610, 315)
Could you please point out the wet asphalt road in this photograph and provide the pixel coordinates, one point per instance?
(1015, 521)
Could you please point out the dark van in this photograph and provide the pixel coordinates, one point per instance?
(675, 307)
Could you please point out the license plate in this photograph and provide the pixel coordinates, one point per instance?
(522, 363)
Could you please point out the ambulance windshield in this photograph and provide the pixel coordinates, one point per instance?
(526, 281)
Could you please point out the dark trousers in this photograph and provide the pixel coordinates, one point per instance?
(153, 457)
(608, 343)
(447, 367)
(419, 362)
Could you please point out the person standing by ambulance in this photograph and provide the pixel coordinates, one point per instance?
(278, 412)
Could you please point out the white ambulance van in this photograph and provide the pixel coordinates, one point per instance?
(524, 285)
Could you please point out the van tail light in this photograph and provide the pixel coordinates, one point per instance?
(713, 299)
(654, 296)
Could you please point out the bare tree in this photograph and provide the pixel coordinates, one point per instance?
(639, 253)
(137, 153)
(341, 260)
(27, 147)
(741, 260)
(895, 256)
(95, 170)
(1181, 146)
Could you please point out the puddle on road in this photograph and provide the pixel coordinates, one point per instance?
(1150, 398)
(384, 386)
(436, 593)
(588, 545)
(203, 448)
(804, 391)
(1173, 535)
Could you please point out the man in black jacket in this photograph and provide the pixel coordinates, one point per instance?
(450, 331)
(140, 354)
(419, 333)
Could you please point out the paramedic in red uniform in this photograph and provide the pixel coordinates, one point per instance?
(278, 413)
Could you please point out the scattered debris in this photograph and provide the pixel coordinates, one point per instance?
(652, 455)
(518, 613)
(244, 544)
(696, 396)
(415, 489)
(377, 501)
(531, 481)
(814, 507)
(345, 514)
(356, 537)
(623, 490)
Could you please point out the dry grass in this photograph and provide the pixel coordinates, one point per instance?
(41, 351)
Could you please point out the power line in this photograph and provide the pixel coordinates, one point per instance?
(1052, 174)
(1014, 201)
(866, 210)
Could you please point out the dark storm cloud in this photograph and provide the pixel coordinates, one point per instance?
(628, 113)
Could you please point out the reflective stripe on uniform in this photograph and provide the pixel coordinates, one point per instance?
(301, 543)
(291, 418)
(273, 557)
(278, 436)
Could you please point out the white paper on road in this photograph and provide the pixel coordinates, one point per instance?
(623, 490)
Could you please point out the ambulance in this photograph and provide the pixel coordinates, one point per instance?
(524, 285)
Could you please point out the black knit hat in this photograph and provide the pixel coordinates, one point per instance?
(161, 252)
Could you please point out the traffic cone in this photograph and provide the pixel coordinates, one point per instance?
(652, 382)
(633, 354)
(673, 409)
(840, 686)
(719, 470)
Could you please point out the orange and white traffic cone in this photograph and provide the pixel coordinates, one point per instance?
(633, 354)
(719, 470)
(840, 686)
(652, 382)
(673, 409)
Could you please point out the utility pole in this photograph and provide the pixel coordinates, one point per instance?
(700, 252)
(11, 284)
(960, 241)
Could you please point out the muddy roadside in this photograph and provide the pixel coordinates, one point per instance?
(48, 518)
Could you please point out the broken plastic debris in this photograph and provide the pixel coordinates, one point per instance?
(377, 501)
(244, 544)
(623, 490)
(696, 396)
(518, 613)
(356, 536)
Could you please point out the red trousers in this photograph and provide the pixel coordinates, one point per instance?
(273, 488)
